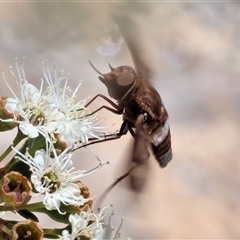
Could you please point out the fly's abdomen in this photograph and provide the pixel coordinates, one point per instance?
(161, 145)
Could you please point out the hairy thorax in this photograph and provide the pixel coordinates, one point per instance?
(145, 100)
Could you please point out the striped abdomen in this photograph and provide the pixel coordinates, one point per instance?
(161, 145)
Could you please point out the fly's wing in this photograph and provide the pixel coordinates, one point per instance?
(140, 156)
(132, 32)
(129, 30)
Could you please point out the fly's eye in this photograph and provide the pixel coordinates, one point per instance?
(126, 79)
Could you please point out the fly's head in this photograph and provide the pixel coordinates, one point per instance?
(121, 82)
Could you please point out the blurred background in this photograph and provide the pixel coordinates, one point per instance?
(193, 49)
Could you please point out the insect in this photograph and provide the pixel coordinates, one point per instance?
(144, 114)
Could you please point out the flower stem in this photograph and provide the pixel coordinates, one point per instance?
(5, 230)
(31, 207)
(55, 231)
(19, 137)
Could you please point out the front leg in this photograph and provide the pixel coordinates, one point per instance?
(116, 109)
(109, 137)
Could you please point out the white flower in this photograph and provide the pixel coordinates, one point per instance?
(32, 109)
(55, 178)
(53, 112)
(83, 224)
(90, 226)
(77, 123)
(61, 94)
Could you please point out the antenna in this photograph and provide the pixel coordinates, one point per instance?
(96, 69)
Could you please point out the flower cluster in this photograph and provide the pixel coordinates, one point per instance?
(52, 112)
(51, 122)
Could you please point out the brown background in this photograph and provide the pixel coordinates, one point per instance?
(194, 49)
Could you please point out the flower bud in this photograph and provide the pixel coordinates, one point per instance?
(86, 194)
(59, 144)
(28, 230)
(15, 189)
(85, 207)
(4, 114)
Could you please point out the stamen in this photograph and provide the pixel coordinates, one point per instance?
(95, 155)
(54, 70)
(117, 233)
(49, 74)
(22, 68)
(109, 220)
(94, 169)
(13, 93)
(77, 88)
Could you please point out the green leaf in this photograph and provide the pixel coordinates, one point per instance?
(32, 145)
(51, 233)
(28, 215)
(55, 215)
(51, 236)
(21, 167)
